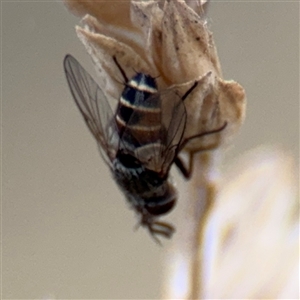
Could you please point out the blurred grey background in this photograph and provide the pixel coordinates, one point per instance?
(67, 231)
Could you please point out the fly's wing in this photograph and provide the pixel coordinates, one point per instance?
(94, 107)
(174, 123)
(164, 135)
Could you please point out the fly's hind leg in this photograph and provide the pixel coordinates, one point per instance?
(121, 70)
(187, 170)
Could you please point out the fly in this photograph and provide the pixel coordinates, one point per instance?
(139, 141)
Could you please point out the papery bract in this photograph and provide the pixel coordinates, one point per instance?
(168, 40)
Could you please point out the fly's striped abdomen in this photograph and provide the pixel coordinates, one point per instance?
(139, 113)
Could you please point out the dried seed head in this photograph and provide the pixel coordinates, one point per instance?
(251, 245)
(169, 39)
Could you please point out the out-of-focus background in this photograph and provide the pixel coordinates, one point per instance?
(67, 232)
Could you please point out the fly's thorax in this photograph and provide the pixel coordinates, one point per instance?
(134, 177)
(145, 189)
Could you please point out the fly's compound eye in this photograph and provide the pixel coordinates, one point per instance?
(160, 205)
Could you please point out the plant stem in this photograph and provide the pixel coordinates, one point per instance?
(185, 256)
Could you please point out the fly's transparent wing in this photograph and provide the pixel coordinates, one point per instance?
(174, 122)
(93, 106)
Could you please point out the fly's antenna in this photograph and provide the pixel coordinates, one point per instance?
(121, 70)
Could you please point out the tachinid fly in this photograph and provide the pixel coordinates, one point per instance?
(139, 141)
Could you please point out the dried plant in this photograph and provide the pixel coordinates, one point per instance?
(170, 40)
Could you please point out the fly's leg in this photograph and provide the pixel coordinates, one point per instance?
(156, 228)
(163, 229)
(187, 170)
